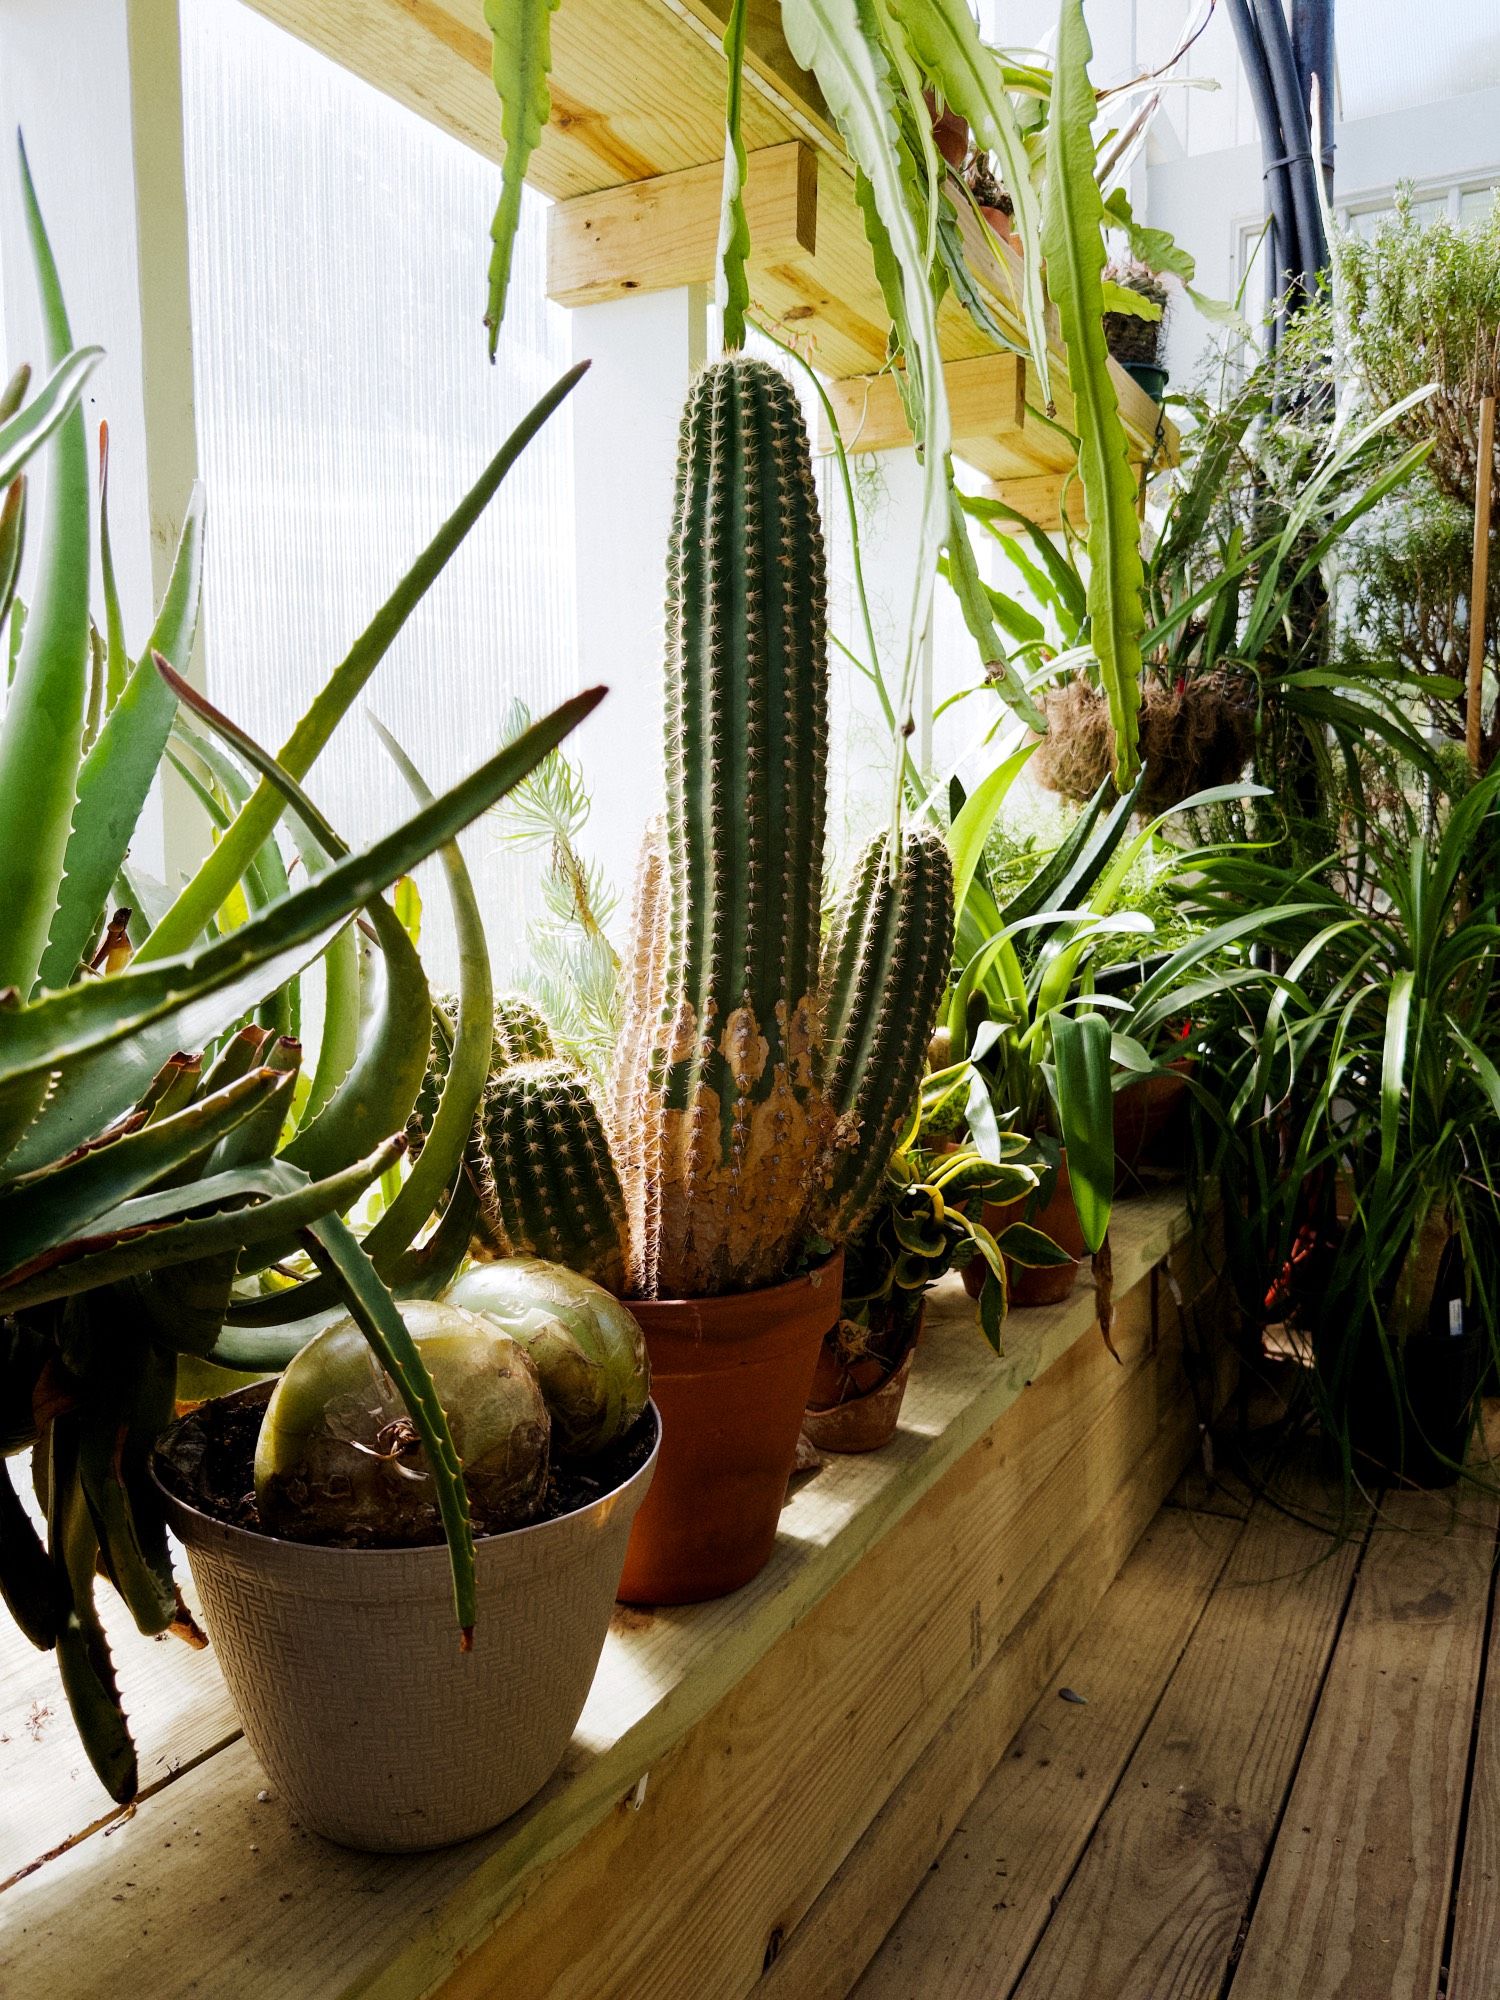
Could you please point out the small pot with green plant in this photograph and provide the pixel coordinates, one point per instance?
(928, 1221)
(1137, 339)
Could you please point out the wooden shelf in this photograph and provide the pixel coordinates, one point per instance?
(633, 156)
(952, 1565)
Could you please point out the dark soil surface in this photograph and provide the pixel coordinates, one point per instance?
(207, 1459)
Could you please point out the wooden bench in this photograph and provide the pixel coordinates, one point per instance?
(756, 1785)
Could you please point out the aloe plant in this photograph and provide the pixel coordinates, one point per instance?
(141, 1187)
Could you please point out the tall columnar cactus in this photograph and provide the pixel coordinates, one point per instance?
(760, 1083)
(885, 968)
(736, 1121)
(547, 1181)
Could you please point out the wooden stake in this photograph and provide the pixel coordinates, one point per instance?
(1479, 591)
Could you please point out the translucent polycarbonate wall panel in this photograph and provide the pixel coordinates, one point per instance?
(344, 404)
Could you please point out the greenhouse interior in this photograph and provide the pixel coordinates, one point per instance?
(749, 1000)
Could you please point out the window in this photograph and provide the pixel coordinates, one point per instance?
(344, 403)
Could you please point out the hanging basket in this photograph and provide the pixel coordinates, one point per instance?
(1195, 734)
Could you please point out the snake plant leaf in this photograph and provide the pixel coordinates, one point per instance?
(108, 1037)
(838, 42)
(41, 738)
(118, 771)
(46, 1210)
(29, 429)
(337, 1252)
(240, 1209)
(200, 897)
(1085, 1109)
(1073, 241)
(520, 60)
(946, 38)
(732, 287)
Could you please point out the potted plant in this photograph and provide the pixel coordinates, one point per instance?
(1136, 338)
(763, 1074)
(142, 1186)
(927, 1222)
(1354, 1113)
(991, 199)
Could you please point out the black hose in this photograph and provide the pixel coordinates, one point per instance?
(1312, 46)
(1312, 243)
(1281, 250)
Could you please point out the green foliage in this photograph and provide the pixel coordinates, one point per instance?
(1073, 239)
(1422, 302)
(520, 58)
(734, 226)
(140, 1185)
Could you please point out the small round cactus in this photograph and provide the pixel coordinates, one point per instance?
(548, 1186)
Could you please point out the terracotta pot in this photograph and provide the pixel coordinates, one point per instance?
(1143, 1111)
(345, 1667)
(862, 1422)
(1042, 1285)
(950, 133)
(1002, 224)
(731, 1378)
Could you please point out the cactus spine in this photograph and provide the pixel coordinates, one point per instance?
(730, 1085)
(547, 1181)
(886, 966)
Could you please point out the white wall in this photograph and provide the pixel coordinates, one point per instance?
(1206, 199)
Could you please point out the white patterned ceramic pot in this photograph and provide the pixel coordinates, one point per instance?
(345, 1667)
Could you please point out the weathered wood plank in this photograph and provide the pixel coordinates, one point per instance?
(1476, 1919)
(986, 404)
(377, 1925)
(1156, 1903)
(892, 1862)
(650, 235)
(1355, 1900)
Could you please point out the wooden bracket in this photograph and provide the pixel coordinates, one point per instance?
(986, 405)
(1041, 499)
(651, 235)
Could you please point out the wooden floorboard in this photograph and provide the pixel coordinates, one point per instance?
(1355, 1899)
(970, 1928)
(1155, 1908)
(1475, 1949)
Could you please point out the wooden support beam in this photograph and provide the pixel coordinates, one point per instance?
(986, 404)
(652, 235)
(1041, 498)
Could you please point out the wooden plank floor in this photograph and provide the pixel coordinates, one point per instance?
(1270, 1770)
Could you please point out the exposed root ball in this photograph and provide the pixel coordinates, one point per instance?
(338, 1460)
(1193, 736)
(588, 1349)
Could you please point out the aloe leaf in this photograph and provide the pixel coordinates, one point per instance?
(41, 739)
(198, 900)
(338, 1042)
(519, 62)
(118, 772)
(336, 1252)
(28, 430)
(38, 1214)
(114, 1444)
(732, 288)
(1073, 240)
(12, 544)
(946, 38)
(441, 1157)
(240, 1209)
(88, 1674)
(117, 658)
(376, 1096)
(28, 1587)
(107, 1037)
